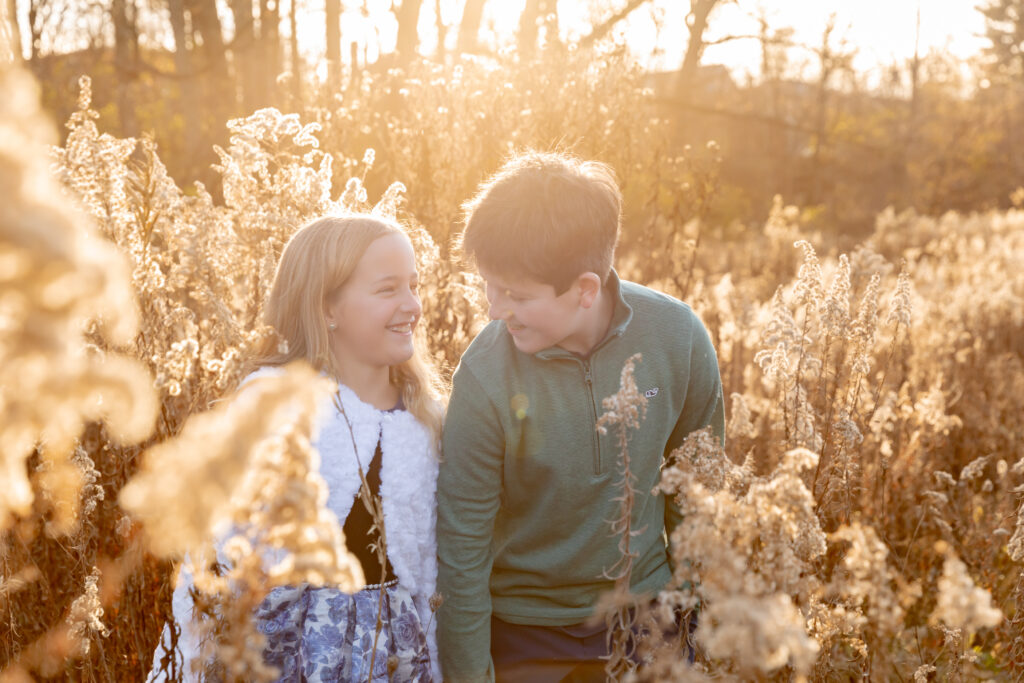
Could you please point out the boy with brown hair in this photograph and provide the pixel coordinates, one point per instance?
(527, 485)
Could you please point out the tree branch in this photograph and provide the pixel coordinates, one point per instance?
(605, 27)
(730, 38)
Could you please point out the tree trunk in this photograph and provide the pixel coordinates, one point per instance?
(244, 50)
(606, 26)
(270, 46)
(552, 30)
(125, 50)
(333, 16)
(221, 98)
(697, 23)
(206, 22)
(408, 30)
(528, 27)
(778, 167)
(903, 188)
(831, 59)
(296, 62)
(10, 36)
(188, 101)
(469, 27)
(34, 30)
(442, 31)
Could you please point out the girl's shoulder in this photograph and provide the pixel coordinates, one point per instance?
(264, 371)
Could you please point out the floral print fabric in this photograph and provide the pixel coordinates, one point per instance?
(324, 634)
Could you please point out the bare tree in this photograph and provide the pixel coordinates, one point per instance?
(188, 103)
(535, 14)
(126, 50)
(45, 17)
(10, 36)
(832, 59)
(696, 24)
(469, 27)
(220, 97)
(442, 31)
(294, 59)
(206, 23)
(35, 28)
(270, 45)
(332, 11)
(1004, 29)
(605, 27)
(774, 44)
(902, 184)
(408, 15)
(244, 51)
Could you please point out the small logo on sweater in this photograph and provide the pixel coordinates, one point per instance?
(651, 393)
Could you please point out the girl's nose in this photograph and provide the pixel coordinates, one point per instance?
(412, 304)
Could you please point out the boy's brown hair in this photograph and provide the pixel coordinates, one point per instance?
(547, 216)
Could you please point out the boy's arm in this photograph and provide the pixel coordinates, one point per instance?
(468, 492)
(704, 405)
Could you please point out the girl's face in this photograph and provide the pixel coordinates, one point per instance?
(377, 309)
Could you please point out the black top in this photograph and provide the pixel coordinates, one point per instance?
(358, 525)
(358, 536)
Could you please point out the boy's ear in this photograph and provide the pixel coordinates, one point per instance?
(589, 287)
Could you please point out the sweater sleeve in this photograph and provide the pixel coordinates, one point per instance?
(468, 491)
(704, 405)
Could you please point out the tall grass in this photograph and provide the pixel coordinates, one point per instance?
(864, 519)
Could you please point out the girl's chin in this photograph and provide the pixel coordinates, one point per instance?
(399, 353)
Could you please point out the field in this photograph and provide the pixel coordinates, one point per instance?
(864, 521)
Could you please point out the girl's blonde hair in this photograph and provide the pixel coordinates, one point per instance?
(317, 261)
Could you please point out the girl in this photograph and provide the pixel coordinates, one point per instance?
(345, 299)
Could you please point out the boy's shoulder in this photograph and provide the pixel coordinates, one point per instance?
(652, 308)
(489, 349)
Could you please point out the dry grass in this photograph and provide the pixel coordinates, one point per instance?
(865, 519)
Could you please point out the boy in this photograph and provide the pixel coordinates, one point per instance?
(527, 486)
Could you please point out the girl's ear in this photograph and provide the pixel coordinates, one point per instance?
(590, 287)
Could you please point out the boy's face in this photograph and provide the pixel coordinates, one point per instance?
(535, 316)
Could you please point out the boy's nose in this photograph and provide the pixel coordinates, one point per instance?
(497, 310)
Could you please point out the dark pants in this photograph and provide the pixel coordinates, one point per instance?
(554, 654)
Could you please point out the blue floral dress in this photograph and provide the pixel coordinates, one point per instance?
(324, 634)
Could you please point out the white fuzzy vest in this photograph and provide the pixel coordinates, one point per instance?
(408, 495)
(408, 486)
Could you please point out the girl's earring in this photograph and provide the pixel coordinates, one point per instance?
(332, 326)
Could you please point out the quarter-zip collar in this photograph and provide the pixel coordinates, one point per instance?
(622, 314)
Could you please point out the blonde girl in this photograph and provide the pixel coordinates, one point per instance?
(345, 299)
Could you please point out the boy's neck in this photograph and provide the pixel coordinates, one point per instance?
(371, 384)
(595, 323)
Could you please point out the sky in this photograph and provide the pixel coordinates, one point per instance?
(882, 31)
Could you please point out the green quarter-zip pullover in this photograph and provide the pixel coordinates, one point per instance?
(527, 485)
